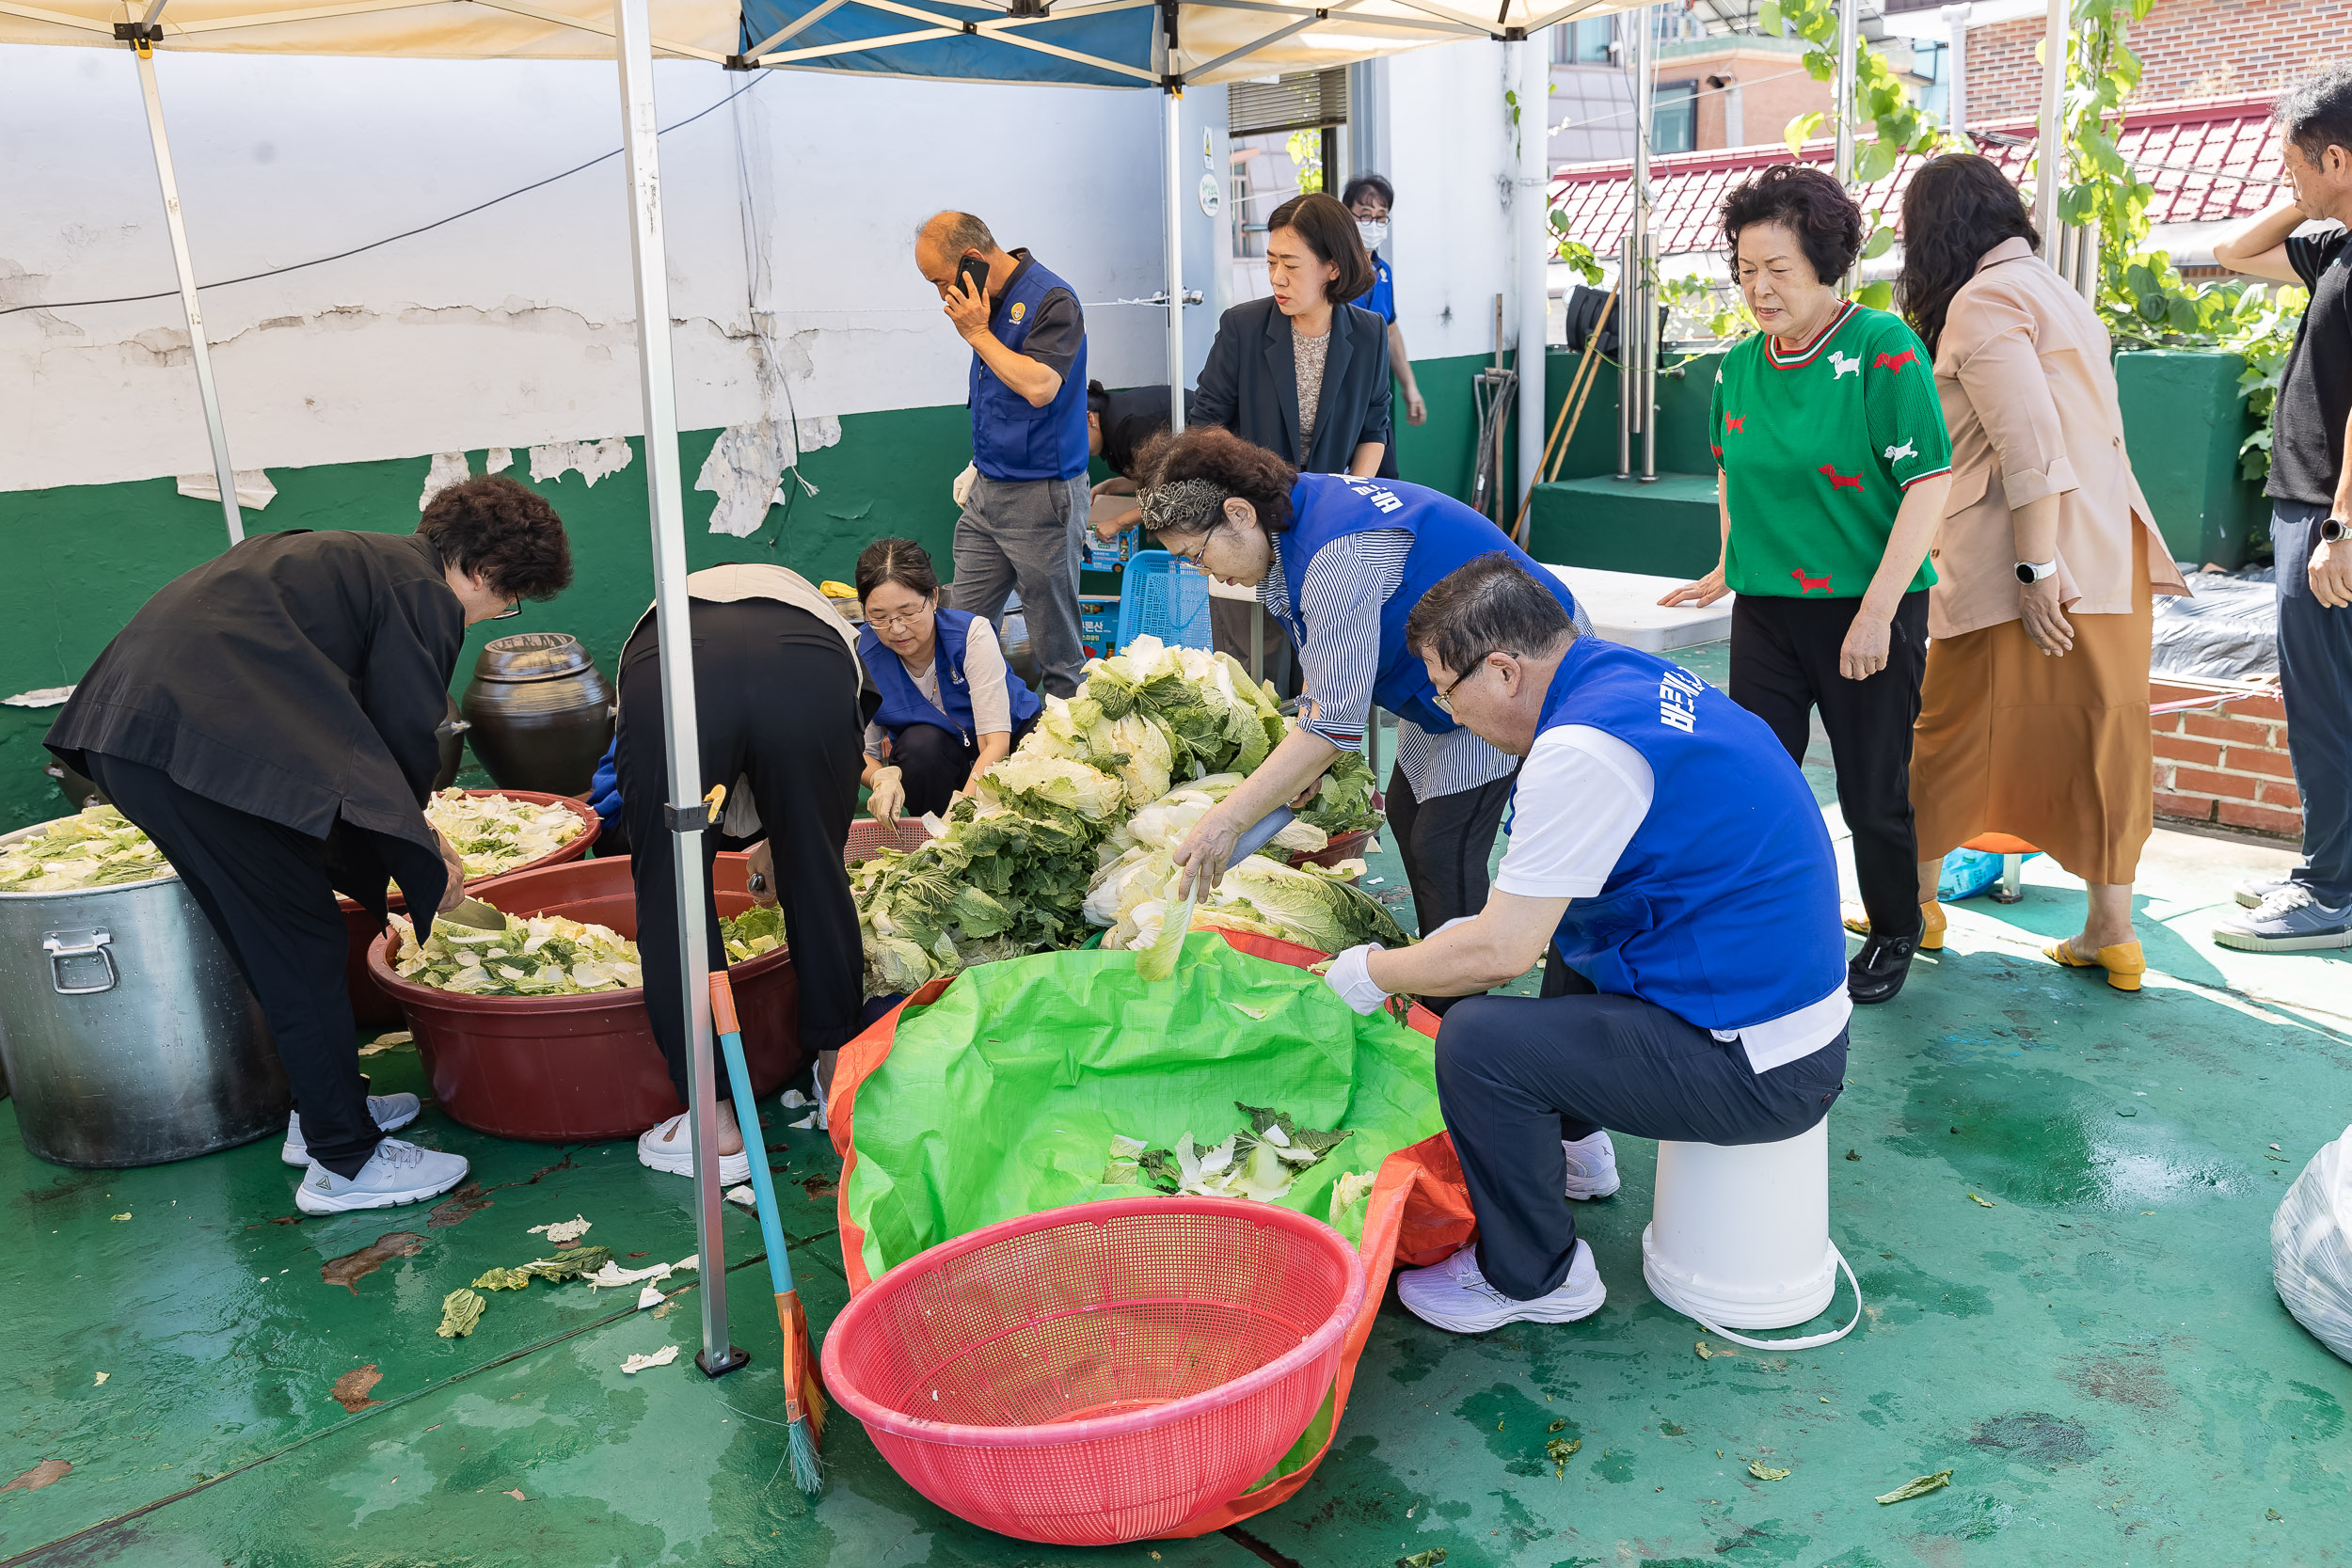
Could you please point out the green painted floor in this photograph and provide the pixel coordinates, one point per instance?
(2098, 1356)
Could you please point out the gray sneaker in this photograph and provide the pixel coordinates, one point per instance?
(391, 1112)
(397, 1172)
(2289, 921)
(2254, 890)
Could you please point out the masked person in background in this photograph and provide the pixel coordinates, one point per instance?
(1370, 198)
(271, 719)
(951, 708)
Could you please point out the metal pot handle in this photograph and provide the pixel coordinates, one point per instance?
(66, 947)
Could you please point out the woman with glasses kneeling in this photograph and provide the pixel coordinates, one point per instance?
(951, 707)
(1341, 562)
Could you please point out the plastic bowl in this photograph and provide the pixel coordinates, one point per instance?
(370, 1005)
(576, 1069)
(1102, 1372)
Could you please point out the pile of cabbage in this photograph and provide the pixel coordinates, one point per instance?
(96, 848)
(550, 955)
(1073, 831)
(495, 833)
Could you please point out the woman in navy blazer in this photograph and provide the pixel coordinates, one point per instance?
(1251, 383)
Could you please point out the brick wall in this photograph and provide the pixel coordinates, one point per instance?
(2225, 767)
(2186, 48)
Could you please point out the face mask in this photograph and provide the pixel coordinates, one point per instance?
(1374, 231)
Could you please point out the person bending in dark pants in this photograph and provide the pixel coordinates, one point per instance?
(1669, 854)
(951, 708)
(269, 720)
(778, 707)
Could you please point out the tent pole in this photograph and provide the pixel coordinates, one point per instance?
(1530, 221)
(199, 350)
(2050, 152)
(632, 39)
(1849, 46)
(1173, 177)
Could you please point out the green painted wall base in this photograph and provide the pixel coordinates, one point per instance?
(2183, 424)
(1668, 529)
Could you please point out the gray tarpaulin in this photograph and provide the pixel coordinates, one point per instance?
(2228, 632)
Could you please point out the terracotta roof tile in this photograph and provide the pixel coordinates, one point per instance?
(2184, 149)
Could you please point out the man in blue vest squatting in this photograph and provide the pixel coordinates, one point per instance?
(1672, 859)
(1024, 521)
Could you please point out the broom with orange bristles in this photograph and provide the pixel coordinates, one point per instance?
(803, 1395)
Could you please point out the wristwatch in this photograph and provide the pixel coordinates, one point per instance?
(2031, 572)
(2331, 531)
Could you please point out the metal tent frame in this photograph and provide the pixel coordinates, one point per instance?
(1107, 44)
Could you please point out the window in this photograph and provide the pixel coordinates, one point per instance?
(1285, 137)
(1674, 120)
(1928, 65)
(1584, 42)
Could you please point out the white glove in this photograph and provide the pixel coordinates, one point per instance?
(960, 486)
(888, 792)
(1350, 974)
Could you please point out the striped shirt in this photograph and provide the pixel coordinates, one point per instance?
(1340, 595)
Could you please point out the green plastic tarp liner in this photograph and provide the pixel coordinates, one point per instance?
(1001, 1098)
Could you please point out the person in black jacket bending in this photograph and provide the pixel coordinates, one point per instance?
(1303, 373)
(269, 720)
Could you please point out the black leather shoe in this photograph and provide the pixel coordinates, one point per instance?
(1877, 972)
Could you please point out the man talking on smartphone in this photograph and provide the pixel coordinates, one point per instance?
(1025, 515)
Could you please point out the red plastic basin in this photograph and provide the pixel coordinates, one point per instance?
(575, 1069)
(370, 1005)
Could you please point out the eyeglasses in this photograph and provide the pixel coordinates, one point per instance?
(906, 621)
(1445, 699)
(513, 607)
(1198, 556)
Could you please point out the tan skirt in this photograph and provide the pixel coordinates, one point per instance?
(2052, 751)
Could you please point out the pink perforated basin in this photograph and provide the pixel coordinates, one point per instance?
(1102, 1372)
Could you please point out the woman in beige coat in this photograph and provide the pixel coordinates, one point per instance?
(2034, 707)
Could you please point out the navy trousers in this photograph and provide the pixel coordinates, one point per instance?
(1517, 1075)
(2315, 673)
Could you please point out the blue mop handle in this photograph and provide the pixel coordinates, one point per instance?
(763, 1184)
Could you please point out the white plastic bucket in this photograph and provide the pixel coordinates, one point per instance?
(1739, 1236)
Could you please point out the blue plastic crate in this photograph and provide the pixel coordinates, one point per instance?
(1165, 597)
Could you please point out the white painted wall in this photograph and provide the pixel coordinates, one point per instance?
(1451, 150)
(513, 326)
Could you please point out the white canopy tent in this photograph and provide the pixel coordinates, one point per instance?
(1105, 44)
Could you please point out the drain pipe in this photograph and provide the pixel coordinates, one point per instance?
(1532, 228)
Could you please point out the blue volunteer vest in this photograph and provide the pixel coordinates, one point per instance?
(902, 701)
(1723, 909)
(1446, 535)
(1012, 440)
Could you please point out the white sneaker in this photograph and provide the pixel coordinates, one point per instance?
(1455, 1295)
(669, 1146)
(1591, 1166)
(397, 1172)
(391, 1112)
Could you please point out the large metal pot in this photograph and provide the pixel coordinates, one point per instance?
(541, 713)
(127, 1035)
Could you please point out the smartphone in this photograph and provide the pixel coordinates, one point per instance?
(974, 273)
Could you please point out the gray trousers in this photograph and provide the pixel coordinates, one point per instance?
(1027, 534)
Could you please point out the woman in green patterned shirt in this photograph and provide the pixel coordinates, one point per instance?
(1833, 463)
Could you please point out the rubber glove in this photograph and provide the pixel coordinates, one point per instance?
(1351, 976)
(887, 793)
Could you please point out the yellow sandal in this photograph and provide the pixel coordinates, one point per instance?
(2122, 962)
(1930, 932)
